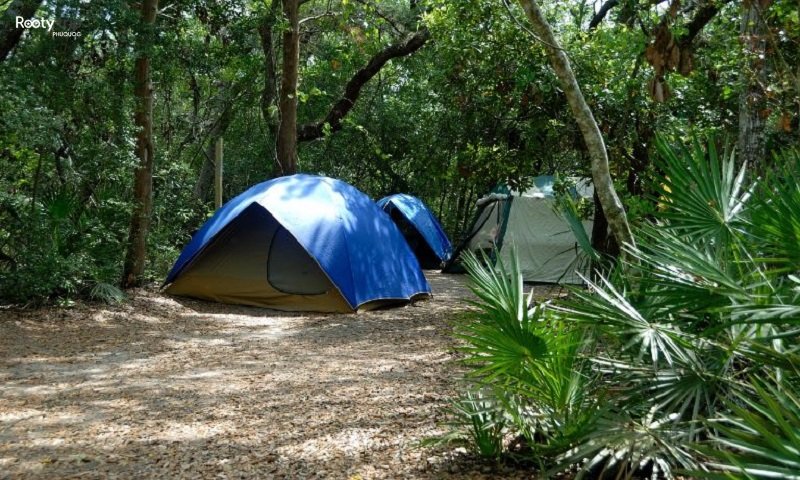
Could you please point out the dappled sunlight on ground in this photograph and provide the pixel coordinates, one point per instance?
(165, 387)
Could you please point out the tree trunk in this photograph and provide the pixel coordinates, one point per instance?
(752, 100)
(601, 240)
(270, 89)
(143, 182)
(217, 130)
(604, 186)
(9, 33)
(461, 206)
(287, 132)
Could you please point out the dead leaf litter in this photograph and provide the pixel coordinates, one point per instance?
(163, 387)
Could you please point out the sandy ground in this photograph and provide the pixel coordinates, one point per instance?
(172, 388)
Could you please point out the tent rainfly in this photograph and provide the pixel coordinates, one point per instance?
(546, 247)
(300, 243)
(419, 226)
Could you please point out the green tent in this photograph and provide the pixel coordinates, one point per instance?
(547, 249)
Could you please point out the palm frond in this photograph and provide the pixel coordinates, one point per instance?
(624, 447)
(568, 208)
(690, 271)
(107, 293)
(760, 434)
(605, 307)
(503, 340)
(775, 218)
(705, 195)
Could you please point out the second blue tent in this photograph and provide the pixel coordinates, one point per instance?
(419, 226)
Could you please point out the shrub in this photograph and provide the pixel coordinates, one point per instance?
(649, 372)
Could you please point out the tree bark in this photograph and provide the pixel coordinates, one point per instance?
(601, 240)
(752, 99)
(287, 103)
(353, 88)
(603, 184)
(133, 268)
(9, 33)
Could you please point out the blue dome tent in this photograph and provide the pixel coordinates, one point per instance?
(297, 243)
(423, 232)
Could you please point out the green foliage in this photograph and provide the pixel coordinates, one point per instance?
(504, 339)
(107, 293)
(671, 348)
(485, 422)
(476, 107)
(774, 222)
(623, 376)
(575, 211)
(759, 436)
(706, 196)
(534, 366)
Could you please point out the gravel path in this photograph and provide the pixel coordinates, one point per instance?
(167, 388)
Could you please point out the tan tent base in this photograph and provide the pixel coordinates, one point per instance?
(299, 303)
(238, 292)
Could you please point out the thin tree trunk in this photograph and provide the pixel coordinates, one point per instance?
(217, 130)
(442, 198)
(601, 240)
(36, 176)
(9, 33)
(467, 215)
(640, 158)
(461, 205)
(752, 100)
(604, 186)
(143, 184)
(287, 132)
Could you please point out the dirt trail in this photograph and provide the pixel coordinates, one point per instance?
(166, 388)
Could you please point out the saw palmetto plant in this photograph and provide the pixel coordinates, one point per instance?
(650, 373)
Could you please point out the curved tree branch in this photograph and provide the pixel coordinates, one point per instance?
(702, 16)
(353, 88)
(601, 14)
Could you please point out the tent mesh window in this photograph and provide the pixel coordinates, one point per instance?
(290, 269)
